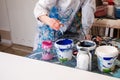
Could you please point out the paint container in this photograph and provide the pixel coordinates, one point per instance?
(101, 11)
(110, 11)
(83, 59)
(106, 56)
(64, 49)
(87, 44)
(117, 12)
(47, 46)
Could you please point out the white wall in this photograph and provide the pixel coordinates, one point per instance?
(22, 21)
(4, 19)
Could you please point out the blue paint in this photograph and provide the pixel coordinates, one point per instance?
(65, 49)
(64, 42)
(86, 44)
(108, 58)
(54, 13)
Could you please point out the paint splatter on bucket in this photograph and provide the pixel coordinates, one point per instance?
(64, 49)
(47, 46)
(106, 57)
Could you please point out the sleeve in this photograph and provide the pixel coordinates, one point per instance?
(42, 7)
(88, 9)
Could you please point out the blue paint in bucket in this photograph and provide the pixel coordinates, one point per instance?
(64, 49)
(64, 42)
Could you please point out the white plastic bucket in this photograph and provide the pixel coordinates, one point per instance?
(106, 57)
(64, 49)
(88, 44)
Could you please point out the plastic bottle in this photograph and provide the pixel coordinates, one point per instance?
(83, 59)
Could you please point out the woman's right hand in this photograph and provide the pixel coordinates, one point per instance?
(53, 23)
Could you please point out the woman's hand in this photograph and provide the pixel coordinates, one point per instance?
(53, 23)
(88, 37)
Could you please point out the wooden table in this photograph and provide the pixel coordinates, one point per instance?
(110, 23)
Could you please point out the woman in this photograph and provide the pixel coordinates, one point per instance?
(55, 17)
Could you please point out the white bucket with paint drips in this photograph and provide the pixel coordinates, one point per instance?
(106, 57)
(64, 49)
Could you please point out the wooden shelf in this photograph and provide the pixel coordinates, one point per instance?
(110, 23)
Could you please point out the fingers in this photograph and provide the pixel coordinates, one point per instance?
(55, 24)
(61, 25)
(88, 37)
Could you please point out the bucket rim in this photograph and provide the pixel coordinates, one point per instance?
(111, 53)
(64, 46)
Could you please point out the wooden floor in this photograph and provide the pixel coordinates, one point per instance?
(16, 49)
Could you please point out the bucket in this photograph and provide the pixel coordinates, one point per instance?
(83, 59)
(117, 12)
(86, 44)
(47, 46)
(64, 49)
(106, 56)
